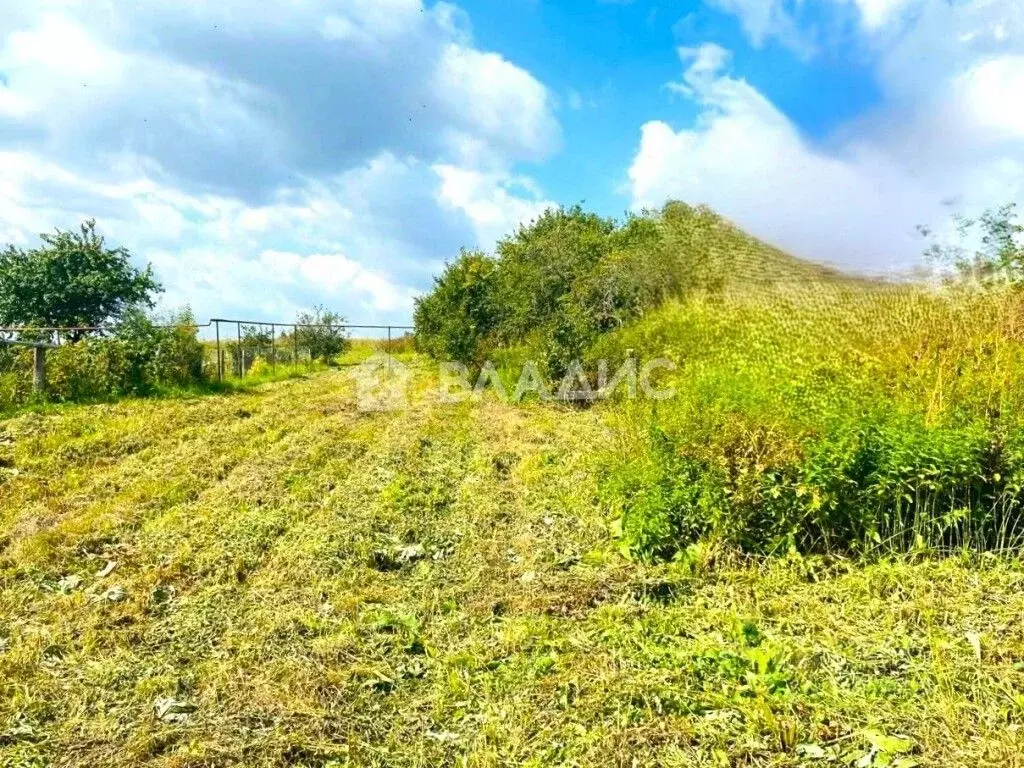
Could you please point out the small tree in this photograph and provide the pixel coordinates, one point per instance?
(322, 332)
(72, 279)
(991, 249)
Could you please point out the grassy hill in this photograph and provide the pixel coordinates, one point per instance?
(812, 410)
(274, 578)
(828, 414)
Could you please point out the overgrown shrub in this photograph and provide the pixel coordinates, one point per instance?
(322, 332)
(455, 320)
(881, 419)
(139, 356)
(553, 286)
(166, 354)
(15, 376)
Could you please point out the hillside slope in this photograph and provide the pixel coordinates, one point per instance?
(818, 411)
(291, 582)
(711, 252)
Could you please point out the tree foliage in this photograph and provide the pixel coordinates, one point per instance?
(72, 279)
(990, 248)
(455, 320)
(554, 285)
(322, 332)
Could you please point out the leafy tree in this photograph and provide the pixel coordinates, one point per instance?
(554, 286)
(322, 332)
(542, 262)
(454, 320)
(72, 279)
(990, 250)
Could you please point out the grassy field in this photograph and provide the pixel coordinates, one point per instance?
(271, 577)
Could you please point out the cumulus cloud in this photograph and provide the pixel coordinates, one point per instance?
(949, 135)
(490, 201)
(300, 154)
(235, 97)
(748, 161)
(211, 251)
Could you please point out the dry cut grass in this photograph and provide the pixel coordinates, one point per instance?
(271, 578)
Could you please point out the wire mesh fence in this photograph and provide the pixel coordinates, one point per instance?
(72, 363)
(241, 348)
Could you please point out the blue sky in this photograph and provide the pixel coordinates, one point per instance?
(615, 57)
(339, 151)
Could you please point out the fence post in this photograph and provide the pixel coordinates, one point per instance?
(389, 349)
(220, 360)
(295, 346)
(39, 369)
(273, 347)
(241, 352)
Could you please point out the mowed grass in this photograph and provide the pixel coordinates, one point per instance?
(271, 577)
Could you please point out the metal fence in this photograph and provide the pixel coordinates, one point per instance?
(231, 349)
(239, 345)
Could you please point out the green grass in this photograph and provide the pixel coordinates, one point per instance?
(17, 380)
(828, 416)
(442, 586)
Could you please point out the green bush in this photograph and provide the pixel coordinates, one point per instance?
(455, 320)
(138, 357)
(160, 355)
(554, 286)
(322, 332)
(15, 376)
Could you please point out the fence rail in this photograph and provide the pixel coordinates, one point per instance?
(233, 347)
(258, 345)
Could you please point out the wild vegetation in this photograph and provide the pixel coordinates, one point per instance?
(552, 288)
(272, 578)
(808, 555)
(91, 302)
(812, 410)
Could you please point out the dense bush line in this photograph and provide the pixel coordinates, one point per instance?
(552, 288)
(137, 357)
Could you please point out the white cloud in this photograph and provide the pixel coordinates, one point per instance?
(237, 98)
(991, 93)
(748, 161)
(267, 159)
(705, 64)
(949, 135)
(364, 242)
(763, 20)
(494, 104)
(489, 201)
(336, 273)
(808, 27)
(876, 13)
(202, 245)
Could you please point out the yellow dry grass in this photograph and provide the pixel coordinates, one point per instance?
(272, 577)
